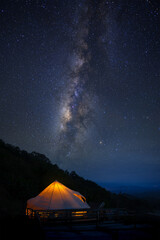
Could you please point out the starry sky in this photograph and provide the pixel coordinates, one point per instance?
(80, 83)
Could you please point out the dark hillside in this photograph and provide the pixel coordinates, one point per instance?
(24, 175)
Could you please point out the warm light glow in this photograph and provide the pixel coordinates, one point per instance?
(57, 196)
(80, 197)
(79, 213)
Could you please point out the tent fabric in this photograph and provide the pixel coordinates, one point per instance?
(57, 196)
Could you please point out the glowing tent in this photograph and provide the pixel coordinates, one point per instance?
(57, 196)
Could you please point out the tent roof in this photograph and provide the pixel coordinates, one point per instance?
(57, 196)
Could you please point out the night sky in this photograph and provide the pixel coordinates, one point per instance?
(80, 83)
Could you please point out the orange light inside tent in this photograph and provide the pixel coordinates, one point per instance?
(79, 213)
(57, 187)
(57, 196)
(80, 197)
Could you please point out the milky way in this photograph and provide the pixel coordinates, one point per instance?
(76, 107)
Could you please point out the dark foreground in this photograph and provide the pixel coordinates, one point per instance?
(137, 228)
(112, 231)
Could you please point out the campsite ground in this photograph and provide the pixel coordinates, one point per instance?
(137, 228)
(107, 231)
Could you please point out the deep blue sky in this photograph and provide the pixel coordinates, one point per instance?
(80, 83)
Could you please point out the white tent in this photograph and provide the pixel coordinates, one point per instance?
(57, 196)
